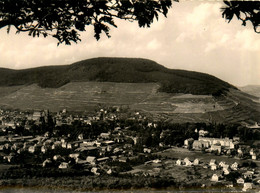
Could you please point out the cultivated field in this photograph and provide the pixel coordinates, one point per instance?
(83, 95)
(89, 96)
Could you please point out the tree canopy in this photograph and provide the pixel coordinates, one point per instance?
(64, 19)
(244, 11)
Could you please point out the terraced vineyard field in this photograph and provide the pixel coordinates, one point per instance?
(88, 96)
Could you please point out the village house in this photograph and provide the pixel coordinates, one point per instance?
(74, 155)
(122, 159)
(147, 150)
(94, 170)
(253, 156)
(64, 165)
(56, 157)
(80, 137)
(9, 158)
(105, 135)
(32, 148)
(214, 178)
(91, 160)
(221, 164)
(178, 162)
(247, 186)
(109, 171)
(212, 162)
(188, 142)
(43, 149)
(234, 166)
(69, 146)
(198, 145)
(225, 166)
(216, 148)
(240, 152)
(240, 181)
(224, 142)
(248, 175)
(64, 145)
(187, 162)
(213, 167)
(196, 162)
(203, 132)
(226, 171)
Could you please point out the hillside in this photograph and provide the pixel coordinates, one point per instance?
(251, 89)
(124, 70)
(140, 84)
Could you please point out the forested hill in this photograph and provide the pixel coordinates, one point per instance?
(125, 70)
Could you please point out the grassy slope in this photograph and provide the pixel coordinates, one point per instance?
(127, 70)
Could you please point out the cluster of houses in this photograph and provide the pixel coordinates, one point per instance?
(223, 169)
(113, 146)
(63, 153)
(220, 145)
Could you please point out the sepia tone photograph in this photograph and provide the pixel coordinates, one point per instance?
(129, 96)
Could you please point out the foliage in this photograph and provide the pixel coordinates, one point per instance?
(244, 11)
(64, 20)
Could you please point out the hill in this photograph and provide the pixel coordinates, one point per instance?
(251, 89)
(140, 84)
(124, 70)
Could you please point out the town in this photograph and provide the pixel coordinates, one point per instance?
(119, 142)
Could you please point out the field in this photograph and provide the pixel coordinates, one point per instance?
(83, 95)
(89, 96)
(181, 153)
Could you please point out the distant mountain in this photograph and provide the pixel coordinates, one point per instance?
(251, 89)
(125, 70)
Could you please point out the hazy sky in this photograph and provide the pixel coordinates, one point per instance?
(194, 36)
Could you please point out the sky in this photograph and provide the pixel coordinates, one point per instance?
(194, 36)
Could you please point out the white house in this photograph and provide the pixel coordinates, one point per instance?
(109, 171)
(213, 167)
(43, 149)
(221, 164)
(247, 186)
(212, 162)
(95, 171)
(64, 165)
(178, 162)
(254, 156)
(74, 155)
(196, 162)
(240, 181)
(188, 142)
(187, 162)
(31, 149)
(226, 171)
(69, 146)
(56, 157)
(248, 174)
(147, 150)
(251, 151)
(214, 178)
(91, 160)
(234, 166)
